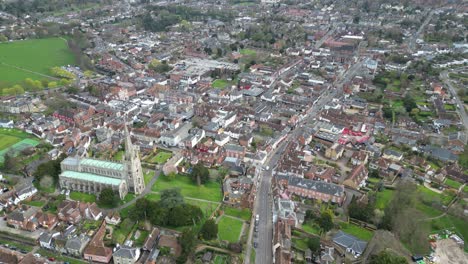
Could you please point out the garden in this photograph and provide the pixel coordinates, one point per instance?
(160, 157)
(229, 229)
(210, 191)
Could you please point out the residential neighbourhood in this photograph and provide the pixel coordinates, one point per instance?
(232, 131)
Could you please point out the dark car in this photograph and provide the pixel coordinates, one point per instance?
(255, 244)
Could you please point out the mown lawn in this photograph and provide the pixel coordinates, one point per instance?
(248, 52)
(229, 229)
(121, 232)
(357, 231)
(244, 214)
(47, 254)
(148, 176)
(83, 197)
(300, 243)
(161, 157)
(35, 203)
(207, 207)
(34, 55)
(383, 198)
(210, 191)
(311, 228)
(453, 184)
(7, 141)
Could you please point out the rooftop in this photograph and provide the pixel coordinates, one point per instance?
(103, 164)
(91, 177)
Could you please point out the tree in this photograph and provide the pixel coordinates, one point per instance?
(209, 230)
(313, 244)
(387, 257)
(10, 163)
(108, 197)
(170, 198)
(409, 103)
(187, 241)
(3, 38)
(200, 174)
(325, 221)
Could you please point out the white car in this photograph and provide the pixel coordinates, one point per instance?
(68, 192)
(37, 255)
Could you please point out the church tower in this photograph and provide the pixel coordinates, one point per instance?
(135, 180)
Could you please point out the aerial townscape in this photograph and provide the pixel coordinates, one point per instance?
(234, 131)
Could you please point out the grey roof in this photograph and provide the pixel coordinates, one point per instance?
(319, 186)
(45, 237)
(392, 152)
(350, 242)
(125, 252)
(77, 242)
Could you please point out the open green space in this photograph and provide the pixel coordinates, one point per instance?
(229, 229)
(220, 259)
(32, 59)
(35, 203)
(244, 214)
(311, 228)
(449, 107)
(356, 231)
(14, 141)
(453, 223)
(141, 239)
(160, 158)
(210, 191)
(120, 233)
(248, 52)
(148, 176)
(300, 243)
(83, 197)
(383, 198)
(153, 196)
(453, 184)
(207, 207)
(18, 245)
(118, 155)
(427, 194)
(221, 83)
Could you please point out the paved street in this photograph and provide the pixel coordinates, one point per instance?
(461, 107)
(263, 203)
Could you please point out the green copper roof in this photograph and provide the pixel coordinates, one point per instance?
(103, 164)
(90, 177)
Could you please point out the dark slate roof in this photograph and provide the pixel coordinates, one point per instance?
(348, 241)
(319, 186)
(125, 252)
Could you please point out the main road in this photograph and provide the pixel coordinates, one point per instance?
(444, 76)
(263, 205)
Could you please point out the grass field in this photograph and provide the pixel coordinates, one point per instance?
(229, 229)
(32, 57)
(148, 176)
(248, 52)
(311, 228)
(300, 243)
(15, 140)
(160, 158)
(207, 207)
(244, 214)
(84, 197)
(357, 231)
(221, 83)
(452, 183)
(219, 259)
(211, 191)
(121, 232)
(35, 203)
(383, 198)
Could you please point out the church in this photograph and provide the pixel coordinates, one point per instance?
(92, 175)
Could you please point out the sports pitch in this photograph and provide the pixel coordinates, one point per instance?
(32, 59)
(14, 141)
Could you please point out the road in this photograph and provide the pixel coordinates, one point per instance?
(444, 76)
(264, 201)
(412, 41)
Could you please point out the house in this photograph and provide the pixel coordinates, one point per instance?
(96, 251)
(359, 157)
(68, 211)
(319, 190)
(151, 240)
(126, 255)
(45, 240)
(326, 257)
(334, 152)
(25, 192)
(207, 257)
(285, 210)
(6, 123)
(23, 219)
(392, 155)
(47, 220)
(76, 245)
(357, 177)
(113, 218)
(350, 243)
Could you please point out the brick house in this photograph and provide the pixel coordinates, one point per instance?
(23, 219)
(357, 177)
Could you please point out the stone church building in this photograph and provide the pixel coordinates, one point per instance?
(92, 175)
